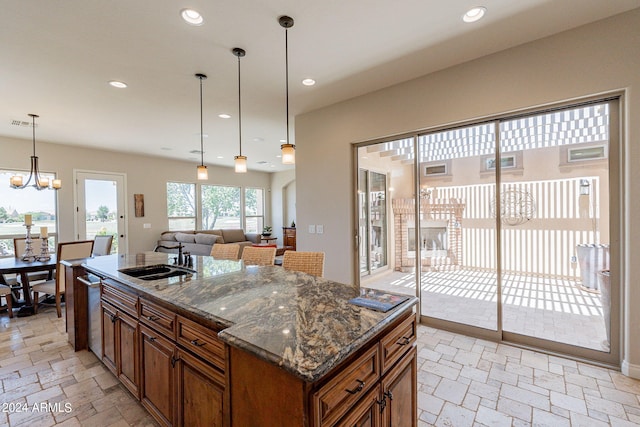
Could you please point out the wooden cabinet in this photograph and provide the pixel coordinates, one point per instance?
(174, 366)
(201, 397)
(120, 338)
(289, 237)
(157, 385)
(400, 405)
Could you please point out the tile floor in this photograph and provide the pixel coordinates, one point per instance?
(462, 382)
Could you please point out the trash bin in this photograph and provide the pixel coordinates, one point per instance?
(605, 297)
(592, 259)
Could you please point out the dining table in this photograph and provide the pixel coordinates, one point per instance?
(15, 265)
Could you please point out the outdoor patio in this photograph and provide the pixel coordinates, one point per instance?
(541, 307)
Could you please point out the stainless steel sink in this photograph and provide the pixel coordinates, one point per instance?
(156, 272)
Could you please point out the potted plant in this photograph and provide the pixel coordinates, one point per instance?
(266, 231)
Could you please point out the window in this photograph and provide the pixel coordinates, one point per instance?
(589, 153)
(436, 169)
(14, 204)
(181, 206)
(221, 207)
(253, 210)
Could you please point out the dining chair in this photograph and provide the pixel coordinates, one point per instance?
(306, 262)
(66, 251)
(225, 251)
(252, 255)
(5, 291)
(20, 245)
(102, 245)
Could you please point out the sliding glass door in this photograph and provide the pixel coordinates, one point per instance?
(457, 235)
(505, 227)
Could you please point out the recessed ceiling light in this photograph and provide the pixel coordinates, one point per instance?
(258, 139)
(474, 14)
(308, 82)
(224, 116)
(191, 17)
(279, 155)
(166, 148)
(220, 157)
(118, 84)
(283, 140)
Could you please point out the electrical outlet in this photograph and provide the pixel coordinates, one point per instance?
(312, 229)
(574, 259)
(319, 229)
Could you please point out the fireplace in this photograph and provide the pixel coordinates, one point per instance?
(434, 239)
(440, 245)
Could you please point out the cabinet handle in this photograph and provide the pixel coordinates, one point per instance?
(113, 318)
(196, 343)
(357, 389)
(403, 341)
(152, 318)
(152, 339)
(382, 403)
(173, 361)
(389, 395)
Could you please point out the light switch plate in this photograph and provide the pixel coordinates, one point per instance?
(312, 229)
(319, 229)
(146, 225)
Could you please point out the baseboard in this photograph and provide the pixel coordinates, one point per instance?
(630, 370)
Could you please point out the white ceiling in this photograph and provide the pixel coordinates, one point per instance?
(57, 57)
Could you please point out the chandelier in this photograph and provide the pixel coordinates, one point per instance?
(39, 182)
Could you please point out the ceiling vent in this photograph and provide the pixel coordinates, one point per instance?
(195, 152)
(262, 162)
(21, 123)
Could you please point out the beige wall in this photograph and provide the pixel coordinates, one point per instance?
(280, 183)
(144, 175)
(600, 57)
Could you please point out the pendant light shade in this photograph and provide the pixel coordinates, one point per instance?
(288, 149)
(202, 173)
(240, 160)
(39, 182)
(288, 154)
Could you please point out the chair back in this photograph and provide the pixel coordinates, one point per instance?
(20, 244)
(67, 251)
(102, 245)
(225, 251)
(252, 255)
(306, 262)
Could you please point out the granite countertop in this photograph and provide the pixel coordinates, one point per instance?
(300, 322)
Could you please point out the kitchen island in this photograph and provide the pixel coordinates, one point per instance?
(225, 344)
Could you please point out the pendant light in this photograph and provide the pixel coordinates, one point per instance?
(240, 160)
(288, 149)
(39, 182)
(203, 175)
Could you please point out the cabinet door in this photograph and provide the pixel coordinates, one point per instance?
(109, 337)
(366, 413)
(157, 390)
(202, 400)
(127, 352)
(399, 390)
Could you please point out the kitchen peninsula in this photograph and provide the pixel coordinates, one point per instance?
(229, 345)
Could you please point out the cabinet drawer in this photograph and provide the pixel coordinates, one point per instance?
(335, 398)
(159, 318)
(123, 300)
(394, 344)
(202, 341)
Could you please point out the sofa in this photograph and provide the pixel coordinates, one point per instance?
(200, 242)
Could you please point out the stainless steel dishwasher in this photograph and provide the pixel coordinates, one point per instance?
(93, 313)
